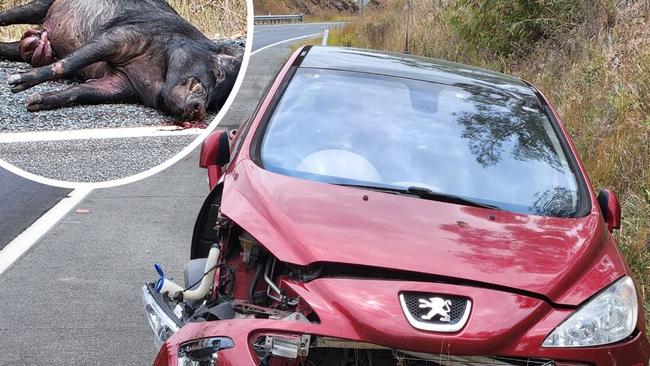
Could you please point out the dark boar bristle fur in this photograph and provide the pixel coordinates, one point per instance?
(128, 51)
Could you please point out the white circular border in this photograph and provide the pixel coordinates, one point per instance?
(174, 159)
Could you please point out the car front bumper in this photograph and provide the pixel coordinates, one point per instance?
(633, 352)
(521, 339)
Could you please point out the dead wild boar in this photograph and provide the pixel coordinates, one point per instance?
(129, 51)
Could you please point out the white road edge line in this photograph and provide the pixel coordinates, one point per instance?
(285, 41)
(23, 242)
(97, 134)
(326, 34)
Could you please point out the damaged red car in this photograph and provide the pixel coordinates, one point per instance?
(387, 209)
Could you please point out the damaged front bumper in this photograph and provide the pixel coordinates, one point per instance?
(285, 338)
(356, 321)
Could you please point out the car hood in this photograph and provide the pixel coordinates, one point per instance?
(563, 261)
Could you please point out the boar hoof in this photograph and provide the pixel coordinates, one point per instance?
(18, 88)
(34, 102)
(18, 83)
(14, 79)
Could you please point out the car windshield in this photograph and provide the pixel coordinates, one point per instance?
(472, 142)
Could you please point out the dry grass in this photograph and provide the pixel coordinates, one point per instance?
(13, 32)
(595, 67)
(215, 18)
(274, 7)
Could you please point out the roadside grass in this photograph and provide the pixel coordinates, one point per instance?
(215, 18)
(328, 18)
(305, 42)
(14, 32)
(274, 7)
(591, 58)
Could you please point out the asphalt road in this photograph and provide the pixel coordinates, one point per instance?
(101, 160)
(73, 299)
(268, 34)
(23, 202)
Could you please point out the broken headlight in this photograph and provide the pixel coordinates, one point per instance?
(161, 322)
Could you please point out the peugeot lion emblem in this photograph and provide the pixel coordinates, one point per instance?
(436, 312)
(436, 306)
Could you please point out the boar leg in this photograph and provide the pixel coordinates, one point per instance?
(112, 89)
(101, 48)
(10, 51)
(31, 13)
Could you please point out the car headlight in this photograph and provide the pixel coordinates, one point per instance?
(203, 352)
(609, 317)
(161, 323)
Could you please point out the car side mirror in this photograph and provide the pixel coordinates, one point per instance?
(611, 209)
(215, 154)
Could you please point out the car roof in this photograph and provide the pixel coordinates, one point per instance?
(416, 67)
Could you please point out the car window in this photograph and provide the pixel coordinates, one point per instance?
(462, 140)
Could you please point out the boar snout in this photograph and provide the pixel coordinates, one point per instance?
(187, 98)
(195, 112)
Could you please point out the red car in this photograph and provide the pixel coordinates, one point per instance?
(387, 209)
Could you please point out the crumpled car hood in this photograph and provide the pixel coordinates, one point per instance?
(564, 261)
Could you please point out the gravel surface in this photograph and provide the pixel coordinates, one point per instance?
(14, 116)
(93, 160)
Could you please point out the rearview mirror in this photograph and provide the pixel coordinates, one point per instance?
(215, 154)
(610, 208)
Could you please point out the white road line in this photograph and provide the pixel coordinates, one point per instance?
(326, 34)
(21, 244)
(286, 41)
(97, 133)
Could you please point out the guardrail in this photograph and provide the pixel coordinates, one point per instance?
(277, 19)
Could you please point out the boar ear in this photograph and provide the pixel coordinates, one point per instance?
(225, 69)
(218, 72)
(225, 66)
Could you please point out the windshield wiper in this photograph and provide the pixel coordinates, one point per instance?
(424, 193)
(428, 194)
(386, 189)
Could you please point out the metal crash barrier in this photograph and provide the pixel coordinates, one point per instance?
(278, 19)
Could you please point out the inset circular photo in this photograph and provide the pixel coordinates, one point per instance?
(106, 92)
